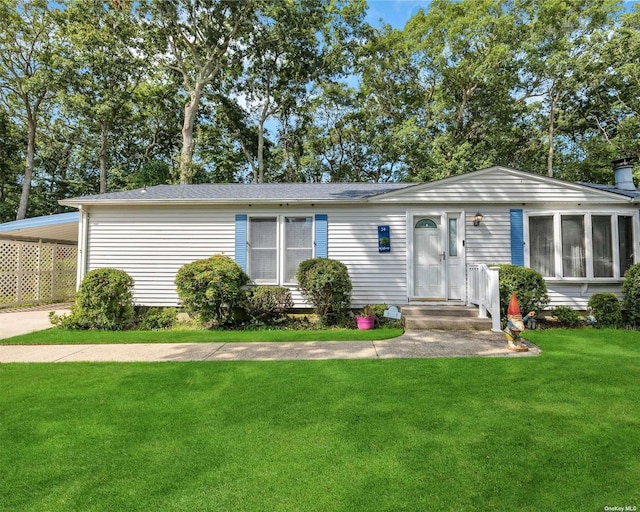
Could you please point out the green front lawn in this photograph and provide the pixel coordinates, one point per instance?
(62, 336)
(556, 432)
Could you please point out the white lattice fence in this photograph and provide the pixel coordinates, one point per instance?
(32, 272)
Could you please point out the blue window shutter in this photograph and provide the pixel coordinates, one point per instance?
(321, 235)
(241, 241)
(517, 238)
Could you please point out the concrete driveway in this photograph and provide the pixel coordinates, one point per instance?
(16, 322)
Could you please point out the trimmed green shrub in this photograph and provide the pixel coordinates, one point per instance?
(568, 317)
(212, 288)
(605, 308)
(157, 319)
(104, 301)
(268, 304)
(529, 285)
(326, 284)
(631, 295)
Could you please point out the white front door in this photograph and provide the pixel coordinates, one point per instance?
(428, 258)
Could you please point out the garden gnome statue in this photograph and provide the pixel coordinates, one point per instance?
(515, 326)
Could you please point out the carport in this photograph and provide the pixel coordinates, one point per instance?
(38, 259)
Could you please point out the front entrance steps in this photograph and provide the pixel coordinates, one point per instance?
(450, 318)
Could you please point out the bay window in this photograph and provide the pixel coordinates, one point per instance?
(276, 246)
(588, 246)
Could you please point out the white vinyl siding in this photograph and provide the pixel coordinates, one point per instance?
(490, 242)
(497, 186)
(576, 295)
(151, 244)
(377, 277)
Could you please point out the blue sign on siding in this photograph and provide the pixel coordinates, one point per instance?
(384, 239)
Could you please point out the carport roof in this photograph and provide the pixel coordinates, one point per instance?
(61, 227)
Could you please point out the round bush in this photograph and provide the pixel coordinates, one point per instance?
(529, 285)
(104, 301)
(268, 304)
(605, 308)
(631, 295)
(212, 288)
(326, 284)
(568, 317)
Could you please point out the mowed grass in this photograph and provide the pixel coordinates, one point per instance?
(63, 336)
(556, 432)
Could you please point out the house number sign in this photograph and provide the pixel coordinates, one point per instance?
(384, 239)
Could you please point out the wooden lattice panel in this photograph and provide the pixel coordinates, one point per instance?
(65, 286)
(8, 288)
(66, 257)
(36, 272)
(45, 282)
(29, 288)
(9, 256)
(46, 258)
(29, 257)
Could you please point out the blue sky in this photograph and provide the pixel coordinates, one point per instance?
(397, 12)
(394, 12)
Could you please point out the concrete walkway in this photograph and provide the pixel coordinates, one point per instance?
(412, 344)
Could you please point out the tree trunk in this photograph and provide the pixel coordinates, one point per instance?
(247, 155)
(188, 142)
(263, 117)
(552, 115)
(28, 170)
(104, 132)
(261, 151)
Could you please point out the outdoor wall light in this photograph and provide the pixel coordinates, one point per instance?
(477, 219)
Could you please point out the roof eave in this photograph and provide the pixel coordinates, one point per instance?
(217, 202)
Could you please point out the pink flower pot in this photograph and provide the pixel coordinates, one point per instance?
(365, 323)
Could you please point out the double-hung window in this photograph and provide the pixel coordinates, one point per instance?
(587, 246)
(276, 246)
(263, 249)
(298, 244)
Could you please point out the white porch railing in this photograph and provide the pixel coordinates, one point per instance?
(484, 292)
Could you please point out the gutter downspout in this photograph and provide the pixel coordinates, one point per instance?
(82, 245)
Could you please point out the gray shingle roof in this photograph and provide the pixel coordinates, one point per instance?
(611, 188)
(233, 192)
